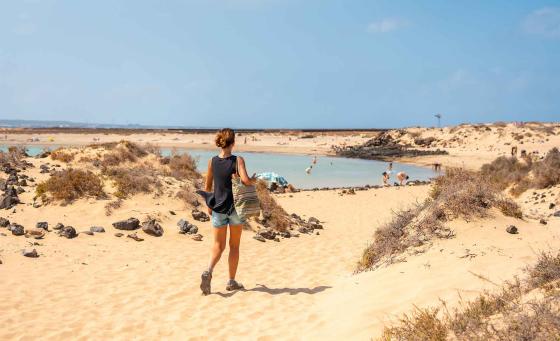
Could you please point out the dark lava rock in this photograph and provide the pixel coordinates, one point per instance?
(133, 236)
(42, 225)
(118, 234)
(285, 234)
(68, 232)
(20, 190)
(512, 229)
(551, 206)
(97, 229)
(152, 228)
(382, 147)
(127, 225)
(267, 233)
(200, 216)
(259, 238)
(4, 222)
(17, 229)
(32, 253)
(172, 212)
(89, 233)
(542, 221)
(303, 229)
(556, 214)
(8, 201)
(313, 220)
(58, 226)
(184, 226)
(197, 237)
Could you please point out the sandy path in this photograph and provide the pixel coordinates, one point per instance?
(104, 287)
(96, 287)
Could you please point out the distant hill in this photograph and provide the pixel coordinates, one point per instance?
(70, 124)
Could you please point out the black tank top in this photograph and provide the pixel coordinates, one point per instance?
(223, 169)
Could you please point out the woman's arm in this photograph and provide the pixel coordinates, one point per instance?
(209, 181)
(209, 177)
(243, 173)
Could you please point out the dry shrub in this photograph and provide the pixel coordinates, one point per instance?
(522, 175)
(470, 317)
(62, 155)
(132, 180)
(71, 184)
(546, 270)
(500, 124)
(421, 325)
(504, 171)
(504, 315)
(509, 208)
(388, 239)
(273, 214)
(124, 151)
(112, 205)
(463, 193)
(14, 156)
(547, 172)
(181, 166)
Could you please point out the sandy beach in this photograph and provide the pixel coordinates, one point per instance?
(102, 286)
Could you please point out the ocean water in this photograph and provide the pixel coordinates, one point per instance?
(328, 172)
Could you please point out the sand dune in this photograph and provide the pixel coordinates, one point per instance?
(101, 286)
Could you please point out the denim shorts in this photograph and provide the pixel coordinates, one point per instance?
(223, 219)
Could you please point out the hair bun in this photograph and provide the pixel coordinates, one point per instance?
(225, 138)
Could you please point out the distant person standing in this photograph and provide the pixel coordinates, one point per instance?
(314, 161)
(402, 177)
(389, 170)
(385, 179)
(308, 169)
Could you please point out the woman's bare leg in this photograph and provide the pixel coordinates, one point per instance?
(218, 246)
(234, 241)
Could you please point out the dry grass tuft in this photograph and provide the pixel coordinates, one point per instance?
(547, 270)
(14, 156)
(389, 239)
(125, 151)
(71, 184)
(181, 166)
(522, 175)
(112, 205)
(504, 171)
(463, 193)
(421, 325)
(62, 155)
(505, 315)
(547, 172)
(132, 180)
(273, 214)
(509, 207)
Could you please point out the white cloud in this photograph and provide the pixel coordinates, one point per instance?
(544, 22)
(386, 25)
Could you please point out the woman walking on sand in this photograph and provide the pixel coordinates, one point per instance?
(221, 169)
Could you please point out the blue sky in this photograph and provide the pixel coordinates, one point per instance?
(280, 63)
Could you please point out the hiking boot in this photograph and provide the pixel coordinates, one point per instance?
(234, 285)
(206, 279)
